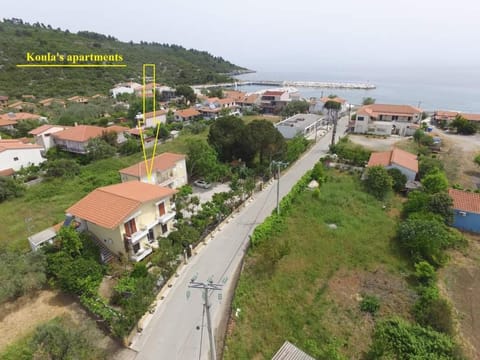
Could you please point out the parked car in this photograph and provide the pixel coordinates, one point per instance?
(203, 184)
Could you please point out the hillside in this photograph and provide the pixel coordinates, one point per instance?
(175, 64)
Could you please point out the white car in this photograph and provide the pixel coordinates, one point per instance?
(203, 184)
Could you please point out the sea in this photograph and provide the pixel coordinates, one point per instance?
(430, 88)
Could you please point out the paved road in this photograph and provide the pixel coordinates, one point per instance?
(172, 332)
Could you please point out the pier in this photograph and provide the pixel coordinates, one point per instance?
(312, 84)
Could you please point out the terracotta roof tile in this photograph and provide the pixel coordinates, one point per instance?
(395, 156)
(43, 128)
(160, 162)
(388, 109)
(110, 205)
(16, 144)
(465, 201)
(19, 116)
(187, 112)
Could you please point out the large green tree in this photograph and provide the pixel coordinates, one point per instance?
(228, 136)
(295, 107)
(463, 126)
(265, 139)
(202, 161)
(186, 92)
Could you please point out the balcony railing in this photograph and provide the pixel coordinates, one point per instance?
(141, 254)
(165, 218)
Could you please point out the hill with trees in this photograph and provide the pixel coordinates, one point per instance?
(175, 65)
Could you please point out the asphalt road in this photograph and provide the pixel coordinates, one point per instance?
(172, 332)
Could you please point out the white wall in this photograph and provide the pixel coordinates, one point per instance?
(16, 158)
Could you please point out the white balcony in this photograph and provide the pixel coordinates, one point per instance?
(141, 233)
(141, 254)
(165, 218)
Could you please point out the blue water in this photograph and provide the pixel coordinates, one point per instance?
(431, 88)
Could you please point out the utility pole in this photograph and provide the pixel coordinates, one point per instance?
(209, 285)
(333, 115)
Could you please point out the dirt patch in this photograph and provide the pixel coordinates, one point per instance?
(375, 143)
(344, 318)
(105, 289)
(460, 283)
(19, 318)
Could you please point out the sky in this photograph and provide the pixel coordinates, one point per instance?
(278, 34)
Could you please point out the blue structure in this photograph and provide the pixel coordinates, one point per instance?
(466, 208)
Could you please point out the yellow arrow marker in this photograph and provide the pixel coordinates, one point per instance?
(141, 123)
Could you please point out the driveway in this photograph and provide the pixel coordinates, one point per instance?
(177, 329)
(207, 194)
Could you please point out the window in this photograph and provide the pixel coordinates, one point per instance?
(130, 227)
(394, 117)
(164, 228)
(136, 247)
(360, 118)
(161, 209)
(15, 158)
(150, 236)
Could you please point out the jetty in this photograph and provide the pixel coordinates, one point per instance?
(311, 84)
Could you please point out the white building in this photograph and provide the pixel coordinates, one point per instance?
(300, 124)
(15, 154)
(382, 119)
(124, 88)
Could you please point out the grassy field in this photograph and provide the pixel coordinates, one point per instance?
(311, 296)
(45, 204)
(249, 118)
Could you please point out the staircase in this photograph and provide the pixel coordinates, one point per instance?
(105, 254)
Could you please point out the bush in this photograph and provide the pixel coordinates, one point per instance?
(432, 310)
(131, 146)
(425, 238)
(378, 182)
(21, 273)
(399, 179)
(370, 304)
(427, 165)
(9, 188)
(435, 182)
(397, 339)
(425, 273)
(351, 153)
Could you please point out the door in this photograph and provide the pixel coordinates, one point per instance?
(161, 209)
(130, 227)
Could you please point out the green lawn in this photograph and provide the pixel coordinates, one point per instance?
(45, 203)
(290, 303)
(272, 118)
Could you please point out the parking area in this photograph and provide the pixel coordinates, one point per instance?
(206, 194)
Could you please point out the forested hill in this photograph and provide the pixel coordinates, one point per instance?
(175, 64)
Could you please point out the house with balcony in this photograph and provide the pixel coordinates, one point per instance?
(444, 118)
(189, 114)
(273, 102)
(168, 170)
(43, 134)
(151, 119)
(75, 139)
(127, 218)
(387, 119)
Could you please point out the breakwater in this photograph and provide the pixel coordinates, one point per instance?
(311, 84)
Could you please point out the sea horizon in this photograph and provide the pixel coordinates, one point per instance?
(456, 89)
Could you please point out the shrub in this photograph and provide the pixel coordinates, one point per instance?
(432, 310)
(397, 339)
(351, 153)
(370, 304)
(435, 182)
(131, 146)
(21, 273)
(399, 179)
(427, 165)
(378, 182)
(9, 188)
(425, 273)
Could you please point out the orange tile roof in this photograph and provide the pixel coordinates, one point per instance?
(225, 101)
(7, 122)
(375, 110)
(157, 113)
(3, 98)
(234, 94)
(109, 206)
(395, 156)
(187, 112)
(465, 201)
(19, 116)
(160, 162)
(43, 128)
(336, 99)
(80, 133)
(250, 99)
(273, 93)
(117, 128)
(16, 144)
(471, 117)
(7, 172)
